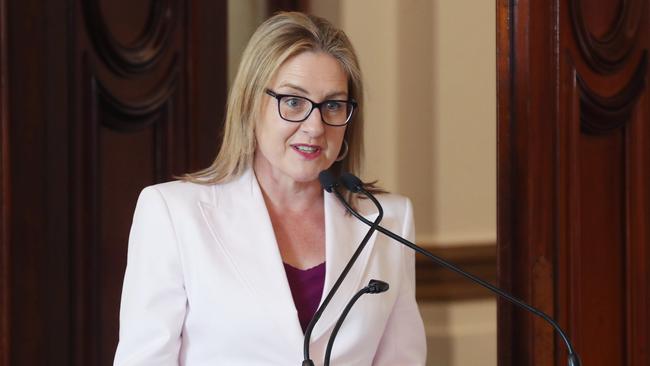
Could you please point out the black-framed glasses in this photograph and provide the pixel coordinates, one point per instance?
(293, 108)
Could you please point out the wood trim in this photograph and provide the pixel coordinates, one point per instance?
(637, 211)
(602, 115)
(568, 210)
(5, 263)
(506, 115)
(435, 283)
(147, 50)
(610, 53)
(545, 204)
(205, 69)
(527, 62)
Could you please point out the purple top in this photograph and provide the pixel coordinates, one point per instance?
(306, 289)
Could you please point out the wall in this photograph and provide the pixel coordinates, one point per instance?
(431, 110)
(243, 18)
(429, 68)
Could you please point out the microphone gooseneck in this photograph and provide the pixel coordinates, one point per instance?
(329, 183)
(374, 287)
(350, 183)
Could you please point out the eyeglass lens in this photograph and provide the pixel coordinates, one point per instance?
(296, 109)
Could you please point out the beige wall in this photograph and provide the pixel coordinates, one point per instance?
(429, 68)
(373, 29)
(460, 334)
(243, 17)
(464, 160)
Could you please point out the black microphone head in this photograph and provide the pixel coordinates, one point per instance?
(351, 182)
(327, 180)
(377, 286)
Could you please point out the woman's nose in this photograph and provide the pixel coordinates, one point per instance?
(313, 124)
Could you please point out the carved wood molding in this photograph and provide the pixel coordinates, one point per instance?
(435, 283)
(609, 53)
(132, 115)
(145, 51)
(601, 115)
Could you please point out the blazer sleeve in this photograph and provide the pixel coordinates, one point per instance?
(404, 341)
(154, 301)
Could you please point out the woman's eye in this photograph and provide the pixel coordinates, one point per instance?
(333, 106)
(294, 102)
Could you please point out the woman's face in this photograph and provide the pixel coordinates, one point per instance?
(299, 151)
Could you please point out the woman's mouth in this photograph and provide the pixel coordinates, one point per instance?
(308, 152)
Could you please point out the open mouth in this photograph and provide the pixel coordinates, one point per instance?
(306, 148)
(308, 151)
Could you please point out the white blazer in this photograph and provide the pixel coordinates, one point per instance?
(205, 284)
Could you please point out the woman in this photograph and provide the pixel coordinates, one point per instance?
(228, 265)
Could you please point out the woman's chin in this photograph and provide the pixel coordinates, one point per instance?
(305, 173)
(306, 176)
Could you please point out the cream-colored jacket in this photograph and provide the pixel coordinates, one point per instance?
(205, 284)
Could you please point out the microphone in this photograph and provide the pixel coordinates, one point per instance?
(327, 180)
(377, 287)
(329, 183)
(354, 184)
(374, 287)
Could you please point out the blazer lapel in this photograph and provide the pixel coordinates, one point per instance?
(238, 220)
(343, 234)
(240, 224)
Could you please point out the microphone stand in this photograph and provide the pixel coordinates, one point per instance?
(355, 185)
(329, 183)
(374, 287)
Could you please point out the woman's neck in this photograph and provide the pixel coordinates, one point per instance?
(286, 194)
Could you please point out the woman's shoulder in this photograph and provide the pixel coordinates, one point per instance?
(392, 203)
(179, 191)
(392, 198)
(186, 191)
(179, 187)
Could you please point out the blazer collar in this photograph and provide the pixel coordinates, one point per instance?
(240, 224)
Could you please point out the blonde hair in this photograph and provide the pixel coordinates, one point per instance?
(280, 37)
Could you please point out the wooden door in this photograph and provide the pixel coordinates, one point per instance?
(99, 99)
(574, 178)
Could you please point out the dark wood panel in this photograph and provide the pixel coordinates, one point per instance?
(596, 270)
(600, 16)
(506, 191)
(606, 40)
(637, 238)
(599, 269)
(5, 208)
(118, 153)
(525, 230)
(573, 178)
(207, 81)
(102, 105)
(438, 284)
(147, 120)
(38, 261)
